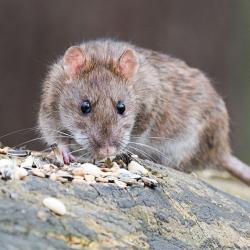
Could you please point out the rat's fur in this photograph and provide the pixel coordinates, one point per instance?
(170, 107)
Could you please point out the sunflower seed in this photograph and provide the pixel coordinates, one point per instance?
(55, 205)
(135, 168)
(91, 169)
(28, 162)
(149, 182)
(90, 179)
(120, 184)
(18, 152)
(38, 172)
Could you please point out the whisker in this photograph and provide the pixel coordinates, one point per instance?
(154, 137)
(152, 148)
(36, 139)
(81, 149)
(63, 133)
(84, 157)
(71, 144)
(18, 131)
(143, 153)
(140, 151)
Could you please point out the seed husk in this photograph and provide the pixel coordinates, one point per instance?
(18, 152)
(129, 181)
(149, 182)
(64, 174)
(57, 153)
(38, 162)
(38, 172)
(28, 162)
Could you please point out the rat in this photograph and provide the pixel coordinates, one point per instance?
(106, 97)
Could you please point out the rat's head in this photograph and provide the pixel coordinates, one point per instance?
(97, 104)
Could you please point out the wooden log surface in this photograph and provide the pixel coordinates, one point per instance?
(183, 212)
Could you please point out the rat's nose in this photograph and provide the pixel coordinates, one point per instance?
(106, 151)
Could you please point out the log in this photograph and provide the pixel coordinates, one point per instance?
(182, 212)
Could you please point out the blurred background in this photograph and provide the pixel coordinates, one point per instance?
(213, 36)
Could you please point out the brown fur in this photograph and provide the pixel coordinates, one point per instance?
(170, 107)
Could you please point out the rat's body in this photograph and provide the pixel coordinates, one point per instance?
(173, 114)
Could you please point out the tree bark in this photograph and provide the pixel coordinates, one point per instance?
(183, 212)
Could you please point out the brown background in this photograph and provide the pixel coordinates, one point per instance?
(211, 35)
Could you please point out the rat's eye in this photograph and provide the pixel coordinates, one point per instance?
(120, 107)
(86, 107)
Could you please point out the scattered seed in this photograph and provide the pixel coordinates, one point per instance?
(78, 171)
(38, 154)
(105, 174)
(7, 174)
(46, 167)
(5, 163)
(28, 162)
(21, 173)
(78, 180)
(57, 153)
(106, 169)
(18, 152)
(136, 168)
(55, 205)
(124, 173)
(111, 178)
(90, 179)
(62, 179)
(120, 184)
(129, 181)
(134, 156)
(38, 172)
(149, 182)
(101, 179)
(38, 162)
(110, 171)
(115, 167)
(126, 158)
(122, 163)
(91, 169)
(64, 174)
(53, 177)
(4, 150)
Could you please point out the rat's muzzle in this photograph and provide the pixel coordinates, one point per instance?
(106, 151)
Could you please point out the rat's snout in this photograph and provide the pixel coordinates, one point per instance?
(106, 151)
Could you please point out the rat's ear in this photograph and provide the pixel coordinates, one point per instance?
(128, 63)
(74, 60)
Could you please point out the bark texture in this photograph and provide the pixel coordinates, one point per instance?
(183, 212)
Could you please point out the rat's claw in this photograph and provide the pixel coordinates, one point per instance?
(72, 158)
(67, 157)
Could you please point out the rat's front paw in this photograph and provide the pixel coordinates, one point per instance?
(63, 154)
(67, 156)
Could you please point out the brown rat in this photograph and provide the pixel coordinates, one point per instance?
(106, 97)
